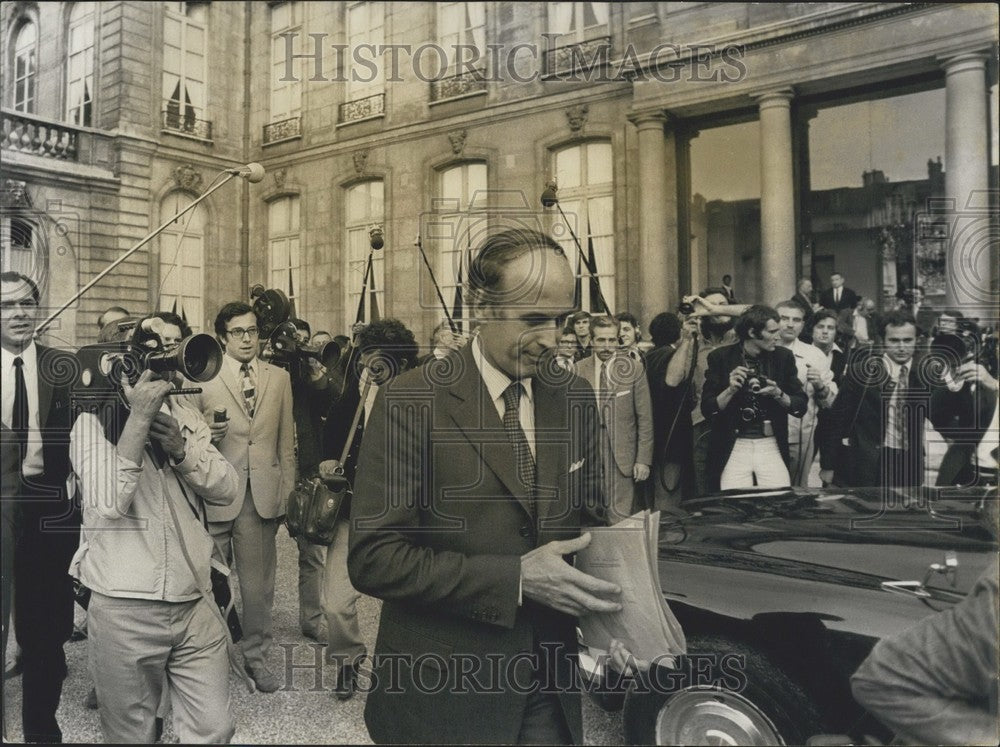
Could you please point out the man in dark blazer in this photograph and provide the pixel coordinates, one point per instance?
(838, 297)
(36, 415)
(749, 431)
(880, 411)
(803, 298)
(473, 484)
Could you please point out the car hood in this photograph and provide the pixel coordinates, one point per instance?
(856, 538)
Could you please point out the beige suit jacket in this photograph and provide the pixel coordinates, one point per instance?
(262, 449)
(626, 411)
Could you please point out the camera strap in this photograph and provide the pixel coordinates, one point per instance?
(234, 663)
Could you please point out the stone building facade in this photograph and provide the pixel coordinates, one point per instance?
(117, 114)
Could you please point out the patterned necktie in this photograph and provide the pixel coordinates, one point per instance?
(605, 381)
(249, 388)
(19, 416)
(515, 434)
(901, 408)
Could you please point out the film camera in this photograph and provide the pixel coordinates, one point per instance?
(139, 346)
(750, 408)
(957, 346)
(283, 347)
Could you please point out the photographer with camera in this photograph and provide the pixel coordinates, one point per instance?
(750, 390)
(385, 348)
(973, 424)
(147, 470)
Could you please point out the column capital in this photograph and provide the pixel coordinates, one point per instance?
(649, 119)
(774, 97)
(964, 61)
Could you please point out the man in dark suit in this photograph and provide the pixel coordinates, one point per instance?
(750, 390)
(838, 297)
(670, 372)
(727, 284)
(36, 415)
(803, 298)
(880, 411)
(473, 483)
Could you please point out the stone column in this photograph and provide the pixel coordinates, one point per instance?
(970, 263)
(657, 266)
(777, 198)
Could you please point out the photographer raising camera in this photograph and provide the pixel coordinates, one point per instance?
(146, 466)
(750, 389)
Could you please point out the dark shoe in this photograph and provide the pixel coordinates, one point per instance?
(263, 678)
(91, 700)
(15, 669)
(158, 725)
(347, 681)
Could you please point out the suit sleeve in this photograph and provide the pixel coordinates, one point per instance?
(715, 381)
(286, 442)
(935, 683)
(791, 386)
(386, 559)
(644, 420)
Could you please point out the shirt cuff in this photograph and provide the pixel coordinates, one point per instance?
(953, 386)
(520, 595)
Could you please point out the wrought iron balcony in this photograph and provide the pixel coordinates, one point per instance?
(26, 133)
(370, 106)
(579, 57)
(286, 129)
(460, 84)
(187, 123)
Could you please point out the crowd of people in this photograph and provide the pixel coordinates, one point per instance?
(176, 493)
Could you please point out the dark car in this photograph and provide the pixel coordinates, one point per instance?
(782, 595)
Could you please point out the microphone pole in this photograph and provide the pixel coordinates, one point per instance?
(550, 198)
(420, 245)
(232, 173)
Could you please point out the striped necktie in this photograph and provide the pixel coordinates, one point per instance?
(249, 388)
(515, 434)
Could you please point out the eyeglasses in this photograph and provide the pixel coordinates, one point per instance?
(237, 333)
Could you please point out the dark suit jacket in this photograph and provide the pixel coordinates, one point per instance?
(47, 512)
(848, 299)
(671, 410)
(964, 427)
(439, 524)
(860, 413)
(778, 365)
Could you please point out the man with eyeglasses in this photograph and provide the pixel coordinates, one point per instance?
(258, 440)
(41, 528)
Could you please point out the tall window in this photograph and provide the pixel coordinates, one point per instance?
(182, 251)
(80, 65)
(16, 246)
(365, 208)
(283, 245)
(462, 24)
(584, 173)
(25, 67)
(365, 26)
(455, 231)
(184, 71)
(286, 95)
(578, 21)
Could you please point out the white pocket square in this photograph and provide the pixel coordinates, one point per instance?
(576, 465)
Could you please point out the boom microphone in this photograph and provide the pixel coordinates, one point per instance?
(252, 172)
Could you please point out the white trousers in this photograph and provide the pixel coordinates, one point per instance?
(755, 457)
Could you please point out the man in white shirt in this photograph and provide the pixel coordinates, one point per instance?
(817, 381)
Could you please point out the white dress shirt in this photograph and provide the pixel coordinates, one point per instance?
(33, 463)
(496, 382)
